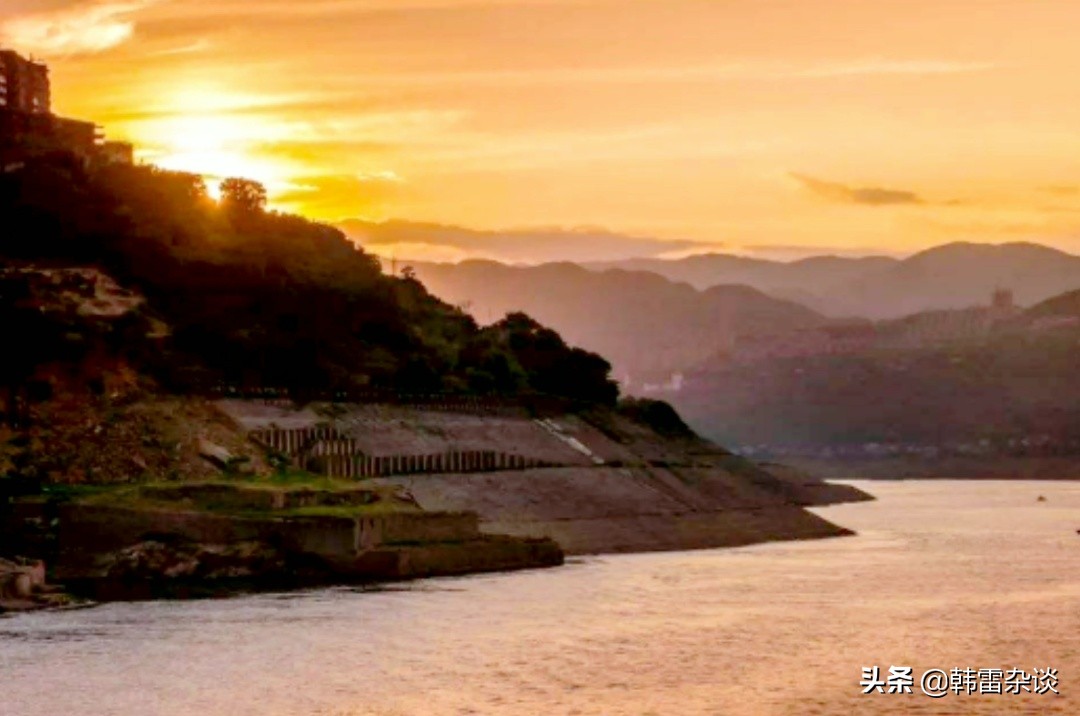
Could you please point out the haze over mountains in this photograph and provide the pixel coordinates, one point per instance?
(958, 275)
(977, 383)
(951, 276)
(647, 326)
(442, 242)
(653, 318)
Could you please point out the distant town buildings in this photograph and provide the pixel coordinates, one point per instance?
(28, 128)
(1003, 305)
(858, 336)
(1003, 301)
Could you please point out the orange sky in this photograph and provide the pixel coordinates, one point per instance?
(883, 125)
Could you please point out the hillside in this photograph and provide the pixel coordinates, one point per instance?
(934, 387)
(1067, 305)
(256, 299)
(647, 326)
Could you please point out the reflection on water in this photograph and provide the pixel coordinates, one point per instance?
(942, 574)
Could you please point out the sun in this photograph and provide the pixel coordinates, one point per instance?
(215, 133)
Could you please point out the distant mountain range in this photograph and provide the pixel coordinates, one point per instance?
(652, 318)
(958, 275)
(647, 326)
(987, 381)
(921, 362)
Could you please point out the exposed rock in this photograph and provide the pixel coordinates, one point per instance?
(83, 438)
(153, 560)
(20, 579)
(216, 454)
(84, 292)
(23, 587)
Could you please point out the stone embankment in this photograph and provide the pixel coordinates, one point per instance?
(440, 493)
(193, 539)
(323, 450)
(602, 484)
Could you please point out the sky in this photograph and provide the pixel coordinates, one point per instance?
(775, 127)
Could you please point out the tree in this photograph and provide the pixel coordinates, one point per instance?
(243, 196)
(553, 367)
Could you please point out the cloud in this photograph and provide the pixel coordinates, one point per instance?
(872, 67)
(191, 48)
(324, 195)
(729, 71)
(82, 28)
(867, 196)
(796, 252)
(1061, 190)
(518, 245)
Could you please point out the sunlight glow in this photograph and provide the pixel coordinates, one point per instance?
(683, 120)
(202, 130)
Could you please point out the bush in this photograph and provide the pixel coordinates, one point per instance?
(656, 414)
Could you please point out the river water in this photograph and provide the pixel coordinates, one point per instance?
(942, 575)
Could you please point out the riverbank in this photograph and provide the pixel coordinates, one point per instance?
(205, 539)
(359, 493)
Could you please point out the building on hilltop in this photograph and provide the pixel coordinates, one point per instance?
(83, 138)
(116, 153)
(1002, 306)
(28, 128)
(1003, 301)
(24, 84)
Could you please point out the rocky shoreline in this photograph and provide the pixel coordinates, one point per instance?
(191, 540)
(23, 587)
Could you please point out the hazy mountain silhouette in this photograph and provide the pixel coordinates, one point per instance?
(806, 280)
(957, 275)
(1066, 305)
(960, 275)
(969, 382)
(646, 325)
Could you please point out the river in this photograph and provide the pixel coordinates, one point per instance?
(942, 574)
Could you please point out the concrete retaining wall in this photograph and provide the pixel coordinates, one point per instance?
(238, 498)
(362, 466)
(324, 450)
(417, 528)
(88, 532)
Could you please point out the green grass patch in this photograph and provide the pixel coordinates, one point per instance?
(376, 508)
